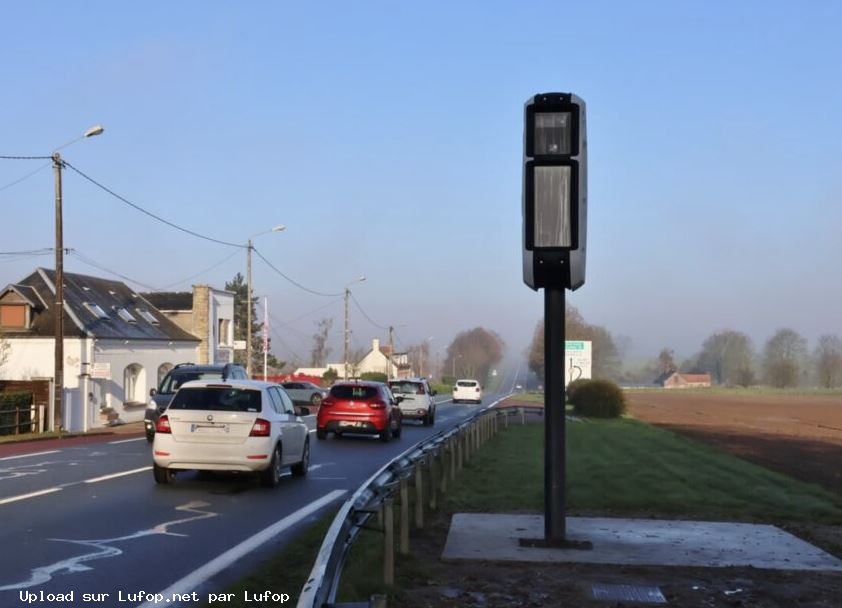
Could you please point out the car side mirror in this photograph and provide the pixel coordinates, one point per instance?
(152, 392)
(398, 399)
(303, 411)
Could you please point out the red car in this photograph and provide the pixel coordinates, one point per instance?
(359, 407)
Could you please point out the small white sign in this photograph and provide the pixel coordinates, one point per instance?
(101, 370)
(577, 360)
(224, 355)
(239, 345)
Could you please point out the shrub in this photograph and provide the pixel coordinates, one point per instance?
(571, 389)
(329, 377)
(598, 399)
(374, 376)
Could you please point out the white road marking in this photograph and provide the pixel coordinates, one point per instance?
(205, 572)
(120, 474)
(127, 440)
(28, 455)
(104, 548)
(6, 501)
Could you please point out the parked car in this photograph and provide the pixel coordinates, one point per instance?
(234, 425)
(417, 403)
(305, 392)
(181, 373)
(359, 407)
(467, 390)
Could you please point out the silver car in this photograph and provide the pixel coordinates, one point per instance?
(304, 393)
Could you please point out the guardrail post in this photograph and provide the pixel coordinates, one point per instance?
(433, 481)
(522, 416)
(380, 517)
(452, 459)
(404, 520)
(506, 419)
(444, 462)
(388, 543)
(419, 496)
(460, 452)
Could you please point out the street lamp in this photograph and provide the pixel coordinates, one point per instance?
(249, 247)
(58, 336)
(347, 328)
(554, 209)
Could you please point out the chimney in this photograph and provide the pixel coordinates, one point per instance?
(375, 344)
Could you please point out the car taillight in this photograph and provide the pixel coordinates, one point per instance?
(163, 425)
(377, 405)
(261, 428)
(328, 402)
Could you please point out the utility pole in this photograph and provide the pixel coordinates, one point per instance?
(248, 309)
(265, 336)
(391, 350)
(347, 332)
(58, 311)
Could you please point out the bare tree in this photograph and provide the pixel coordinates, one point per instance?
(828, 361)
(5, 348)
(783, 358)
(666, 361)
(321, 351)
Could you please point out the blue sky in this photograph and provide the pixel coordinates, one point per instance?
(387, 136)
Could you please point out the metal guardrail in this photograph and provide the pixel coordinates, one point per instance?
(321, 587)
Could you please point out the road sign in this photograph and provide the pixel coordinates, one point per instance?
(101, 370)
(239, 345)
(577, 360)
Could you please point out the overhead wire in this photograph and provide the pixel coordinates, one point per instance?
(377, 325)
(296, 283)
(200, 273)
(149, 213)
(27, 176)
(91, 262)
(26, 158)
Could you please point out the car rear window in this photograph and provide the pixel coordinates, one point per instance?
(174, 381)
(354, 392)
(407, 388)
(466, 383)
(221, 399)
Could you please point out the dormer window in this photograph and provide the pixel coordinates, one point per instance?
(95, 310)
(13, 315)
(147, 316)
(125, 314)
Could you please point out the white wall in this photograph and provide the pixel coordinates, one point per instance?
(221, 307)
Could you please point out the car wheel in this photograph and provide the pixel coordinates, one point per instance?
(397, 432)
(300, 469)
(386, 434)
(271, 476)
(162, 475)
(316, 400)
(428, 418)
(321, 434)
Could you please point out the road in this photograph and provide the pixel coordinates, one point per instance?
(89, 519)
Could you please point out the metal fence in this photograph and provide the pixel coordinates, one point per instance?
(429, 465)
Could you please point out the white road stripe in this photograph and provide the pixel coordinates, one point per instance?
(28, 455)
(120, 474)
(127, 440)
(213, 567)
(6, 501)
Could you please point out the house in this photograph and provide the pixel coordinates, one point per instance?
(379, 360)
(207, 313)
(117, 345)
(674, 379)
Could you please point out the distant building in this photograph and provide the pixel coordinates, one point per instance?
(379, 360)
(675, 379)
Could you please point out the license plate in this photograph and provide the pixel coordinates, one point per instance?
(350, 424)
(208, 429)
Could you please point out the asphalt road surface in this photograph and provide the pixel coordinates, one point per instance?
(90, 519)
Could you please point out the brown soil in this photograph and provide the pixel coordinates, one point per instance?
(798, 435)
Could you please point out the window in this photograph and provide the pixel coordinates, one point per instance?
(147, 316)
(275, 396)
(124, 314)
(95, 310)
(133, 381)
(163, 370)
(13, 315)
(289, 408)
(223, 338)
(217, 398)
(349, 391)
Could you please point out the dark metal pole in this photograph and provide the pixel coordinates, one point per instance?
(58, 310)
(554, 413)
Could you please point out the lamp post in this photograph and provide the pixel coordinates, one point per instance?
(58, 336)
(249, 247)
(347, 328)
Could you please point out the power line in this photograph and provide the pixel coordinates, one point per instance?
(27, 176)
(193, 276)
(26, 158)
(378, 326)
(42, 251)
(307, 314)
(86, 260)
(149, 213)
(297, 284)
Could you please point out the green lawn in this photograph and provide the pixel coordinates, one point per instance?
(625, 466)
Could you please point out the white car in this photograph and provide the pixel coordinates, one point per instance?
(238, 425)
(467, 390)
(416, 399)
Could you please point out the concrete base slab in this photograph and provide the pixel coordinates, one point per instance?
(650, 542)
